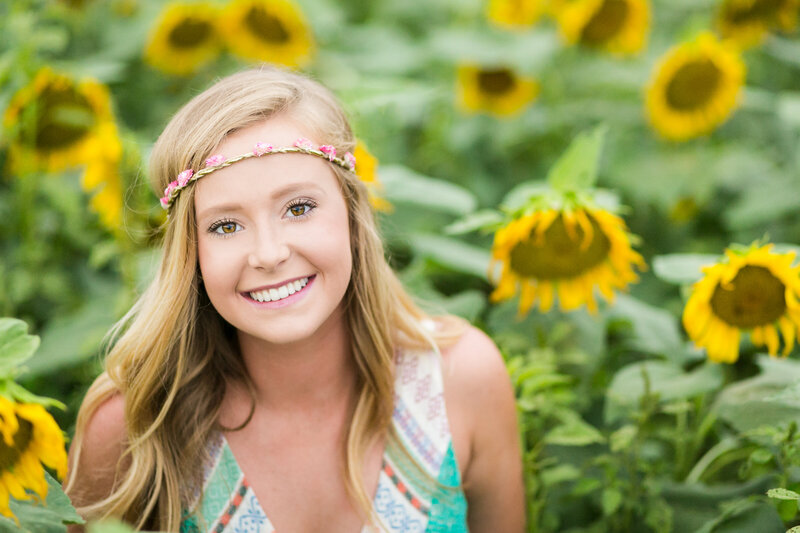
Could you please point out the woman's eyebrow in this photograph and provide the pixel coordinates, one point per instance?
(276, 194)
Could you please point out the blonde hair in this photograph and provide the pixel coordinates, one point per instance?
(170, 358)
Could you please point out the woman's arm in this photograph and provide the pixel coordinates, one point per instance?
(493, 480)
(101, 447)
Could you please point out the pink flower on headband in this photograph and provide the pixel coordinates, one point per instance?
(215, 160)
(302, 142)
(350, 159)
(262, 148)
(184, 177)
(171, 187)
(328, 150)
(164, 202)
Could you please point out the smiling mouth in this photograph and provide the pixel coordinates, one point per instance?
(279, 293)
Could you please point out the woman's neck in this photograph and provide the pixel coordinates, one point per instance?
(308, 377)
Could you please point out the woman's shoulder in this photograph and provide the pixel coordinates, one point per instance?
(96, 452)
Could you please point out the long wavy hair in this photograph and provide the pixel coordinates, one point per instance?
(171, 355)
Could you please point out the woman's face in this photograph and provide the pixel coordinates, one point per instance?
(273, 237)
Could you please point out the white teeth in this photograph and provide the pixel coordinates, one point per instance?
(271, 295)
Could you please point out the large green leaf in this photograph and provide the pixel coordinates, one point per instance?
(402, 184)
(681, 269)
(16, 346)
(452, 253)
(49, 518)
(577, 168)
(768, 399)
(653, 330)
(667, 380)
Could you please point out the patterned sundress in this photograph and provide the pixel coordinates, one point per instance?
(405, 501)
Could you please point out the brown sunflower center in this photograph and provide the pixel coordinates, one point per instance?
(557, 254)
(756, 298)
(606, 23)
(693, 84)
(763, 10)
(64, 118)
(190, 32)
(266, 26)
(495, 81)
(10, 455)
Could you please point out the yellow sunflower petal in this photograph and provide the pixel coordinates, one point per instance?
(184, 37)
(496, 90)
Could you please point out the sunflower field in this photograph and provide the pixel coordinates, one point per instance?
(609, 188)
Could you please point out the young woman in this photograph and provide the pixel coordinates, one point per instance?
(275, 376)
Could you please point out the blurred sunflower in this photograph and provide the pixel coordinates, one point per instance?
(617, 26)
(564, 253)
(694, 88)
(268, 30)
(496, 90)
(184, 38)
(366, 169)
(30, 438)
(747, 22)
(514, 13)
(56, 123)
(756, 291)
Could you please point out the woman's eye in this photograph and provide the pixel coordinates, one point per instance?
(298, 210)
(226, 228)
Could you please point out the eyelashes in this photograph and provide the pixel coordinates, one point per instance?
(297, 209)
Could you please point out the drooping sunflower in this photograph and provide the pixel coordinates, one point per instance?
(514, 13)
(747, 22)
(29, 437)
(56, 123)
(694, 88)
(366, 169)
(617, 26)
(754, 291)
(268, 30)
(566, 254)
(183, 38)
(496, 90)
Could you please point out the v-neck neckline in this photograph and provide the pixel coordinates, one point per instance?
(364, 528)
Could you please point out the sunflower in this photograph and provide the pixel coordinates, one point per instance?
(617, 26)
(564, 253)
(514, 13)
(694, 88)
(56, 123)
(755, 291)
(184, 38)
(496, 90)
(366, 168)
(747, 22)
(268, 30)
(30, 438)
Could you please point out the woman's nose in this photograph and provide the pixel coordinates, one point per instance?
(269, 250)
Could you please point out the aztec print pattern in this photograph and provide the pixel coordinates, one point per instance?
(405, 501)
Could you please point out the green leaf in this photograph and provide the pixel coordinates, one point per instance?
(452, 253)
(681, 269)
(485, 219)
(653, 329)
(668, 381)
(559, 474)
(783, 494)
(612, 499)
(622, 438)
(109, 526)
(577, 168)
(574, 433)
(403, 185)
(48, 518)
(16, 346)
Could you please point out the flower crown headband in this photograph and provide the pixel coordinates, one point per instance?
(216, 162)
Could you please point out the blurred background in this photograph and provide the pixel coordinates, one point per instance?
(458, 106)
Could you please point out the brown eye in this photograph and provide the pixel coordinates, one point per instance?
(230, 227)
(298, 210)
(225, 228)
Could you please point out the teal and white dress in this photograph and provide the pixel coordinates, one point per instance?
(405, 500)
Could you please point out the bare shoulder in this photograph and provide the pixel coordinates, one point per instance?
(475, 373)
(95, 454)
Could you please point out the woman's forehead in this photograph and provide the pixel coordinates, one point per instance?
(279, 131)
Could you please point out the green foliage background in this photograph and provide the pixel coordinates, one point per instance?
(626, 426)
